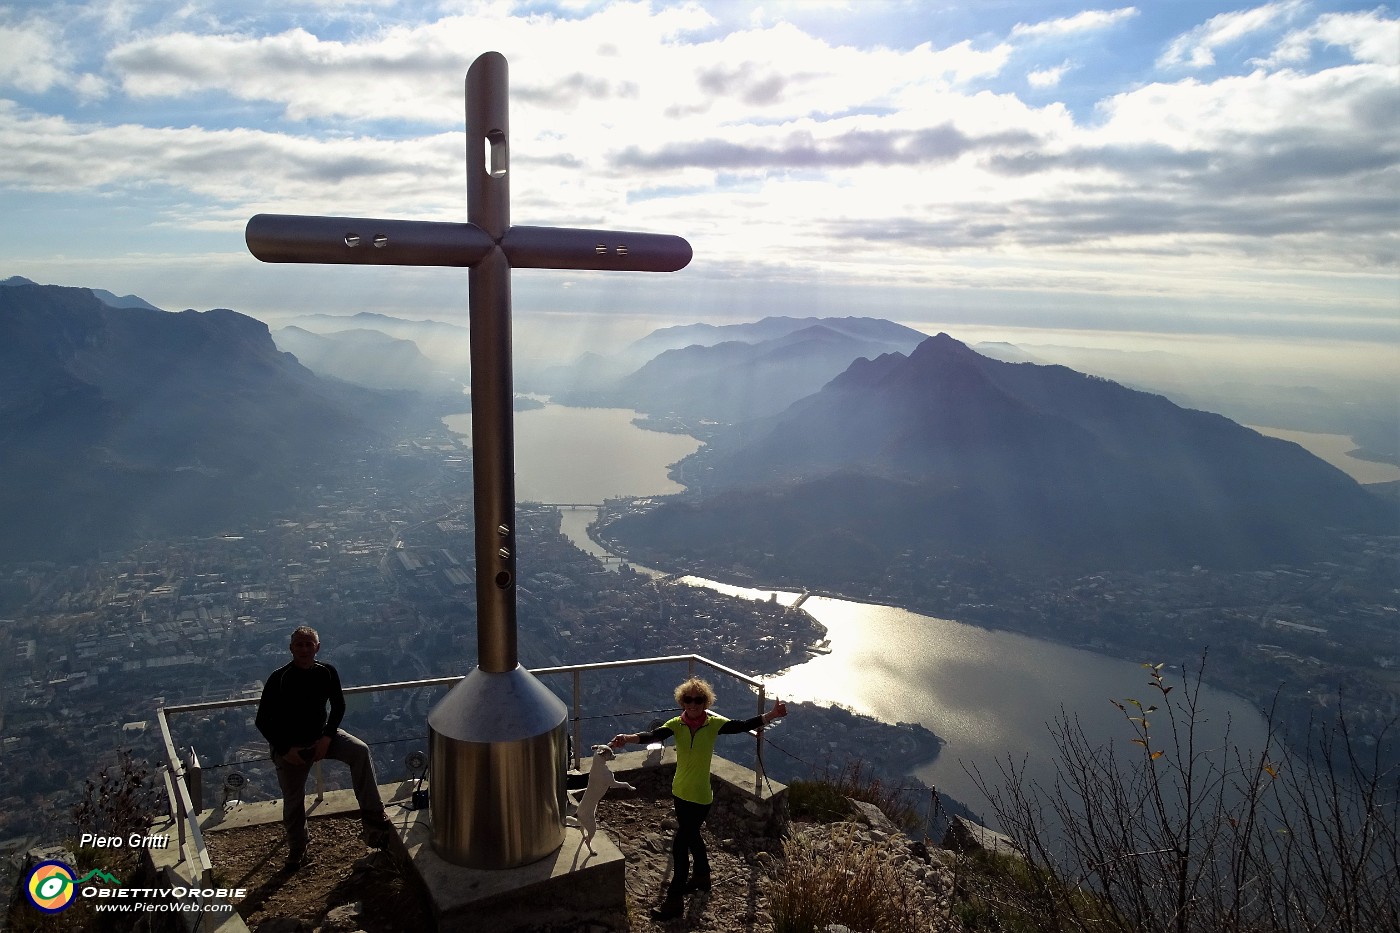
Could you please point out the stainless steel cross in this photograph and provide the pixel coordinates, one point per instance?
(490, 246)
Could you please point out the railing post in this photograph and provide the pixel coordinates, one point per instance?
(176, 806)
(758, 748)
(320, 782)
(194, 780)
(578, 724)
(198, 852)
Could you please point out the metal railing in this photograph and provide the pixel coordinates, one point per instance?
(180, 777)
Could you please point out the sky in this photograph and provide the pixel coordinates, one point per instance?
(1222, 170)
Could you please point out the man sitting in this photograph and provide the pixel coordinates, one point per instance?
(293, 717)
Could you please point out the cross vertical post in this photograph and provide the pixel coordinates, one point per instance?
(498, 740)
(493, 415)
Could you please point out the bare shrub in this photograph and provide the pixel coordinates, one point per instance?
(1177, 835)
(121, 800)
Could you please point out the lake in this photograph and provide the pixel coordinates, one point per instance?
(587, 454)
(1336, 449)
(988, 693)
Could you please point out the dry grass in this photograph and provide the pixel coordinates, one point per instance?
(842, 879)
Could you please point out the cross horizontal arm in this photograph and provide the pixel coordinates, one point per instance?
(365, 241)
(371, 241)
(573, 248)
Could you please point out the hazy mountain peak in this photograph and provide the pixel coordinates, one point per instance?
(366, 357)
(942, 346)
(122, 301)
(101, 294)
(946, 450)
(118, 419)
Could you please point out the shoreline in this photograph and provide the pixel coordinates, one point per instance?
(732, 581)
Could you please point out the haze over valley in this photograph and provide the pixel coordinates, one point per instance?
(181, 489)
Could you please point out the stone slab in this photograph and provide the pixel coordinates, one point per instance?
(569, 884)
(238, 815)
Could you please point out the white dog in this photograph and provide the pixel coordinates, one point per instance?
(600, 781)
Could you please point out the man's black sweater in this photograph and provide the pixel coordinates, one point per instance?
(292, 711)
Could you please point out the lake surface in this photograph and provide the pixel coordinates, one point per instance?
(1336, 449)
(988, 693)
(587, 454)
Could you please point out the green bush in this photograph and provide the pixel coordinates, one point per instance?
(1002, 893)
(825, 796)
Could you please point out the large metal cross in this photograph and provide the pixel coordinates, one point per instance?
(487, 725)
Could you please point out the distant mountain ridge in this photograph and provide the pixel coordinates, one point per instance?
(136, 419)
(447, 346)
(737, 381)
(946, 450)
(734, 372)
(866, 329)
(1359, 403)
(366, 357)
(104, 296)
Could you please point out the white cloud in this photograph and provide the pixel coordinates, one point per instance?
(1048, 77)
(1196, 49)
(1087, 21)
(33, 59)
(90, 87)
(405, 72)
(246, 170)
(779, 154)
(1368, 37)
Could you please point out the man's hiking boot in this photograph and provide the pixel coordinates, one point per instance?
(378, 832)
(296, 857)
(670, 909)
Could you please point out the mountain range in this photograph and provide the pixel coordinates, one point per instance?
(367, 358)
(107, 298)
(445, 348)
(685, 372)
(729, 373)
(948, 451)
(1357, 403)
(132, 419)
(838, 442)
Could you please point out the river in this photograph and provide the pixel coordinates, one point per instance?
(988, 693)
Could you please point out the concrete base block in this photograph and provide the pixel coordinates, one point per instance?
(569, 884)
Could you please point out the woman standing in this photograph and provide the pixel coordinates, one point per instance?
(695, 731)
